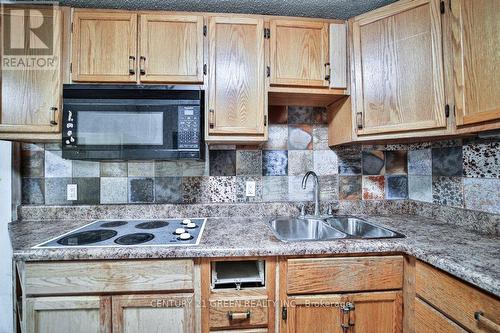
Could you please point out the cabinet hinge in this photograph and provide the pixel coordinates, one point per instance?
(268, 71)
(204, 30)
(284, 313)
(447, 110)
(204, 69)
(267, 33)
(265, 120)
(442, 7)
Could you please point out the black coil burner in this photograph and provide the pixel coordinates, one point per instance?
(152, 225)
(113, 224)
(87, 237)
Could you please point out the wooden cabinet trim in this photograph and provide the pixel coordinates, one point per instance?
(330, 275)
(428, 319)
(84, 14)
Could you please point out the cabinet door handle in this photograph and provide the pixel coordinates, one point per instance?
(359, 120)
(142, 65)
(238, 315)
(211, 118)
(481, 319)
(327, 72)
(131, 65)
(53, 121)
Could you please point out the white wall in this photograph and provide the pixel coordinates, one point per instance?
(5, 247)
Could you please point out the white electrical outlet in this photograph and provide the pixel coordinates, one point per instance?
(72, 192)
(250, 189)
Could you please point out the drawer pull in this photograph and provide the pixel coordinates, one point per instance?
(53, 121)
(238, 315)
(481, 319)
(142, 65)
(131, 65)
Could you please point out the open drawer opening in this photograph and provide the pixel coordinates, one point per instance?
(238, 274)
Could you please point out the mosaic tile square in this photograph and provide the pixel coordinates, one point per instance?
(320, 115)
(320, 138)
(420, 188)
(114, 190)
(349, 160)
(300, 137)
(278, 137)
(299, 162)
(396, 187)
(420, 162)
(396, 162)
(141, 169)
(222, 162)
(447, 143)
(141, 190)
(241, 188)
(350, 187)
(86, 169)
(55, 191)
(248, 162)
(168, 190)
(300, 114)
(193, 168)
(482, 194)
(32, 163)
(278, 114)
(56, 166)
(275, 188)
(447, 161)
(373, 162)
(447, 191)
(32, 191)
(295, 190)
(274, 163)
(329, 188)
(88, 191)
(373, 187)
(113, 169)
(325, 162)
(482, 160)
(168, 168)
(192, 190)
(220, 189)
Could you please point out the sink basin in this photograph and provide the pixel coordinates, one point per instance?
(304, 229)
(359, 228)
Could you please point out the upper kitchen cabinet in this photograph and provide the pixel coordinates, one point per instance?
(237, 109)
(31, 80)
(171, 48)
(398, 70)
(299, 53)
(476, 62)
(104, 46)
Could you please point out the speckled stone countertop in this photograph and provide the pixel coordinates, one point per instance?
(467, 255)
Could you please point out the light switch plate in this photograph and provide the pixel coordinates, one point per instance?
(250, 189)
(72, 192)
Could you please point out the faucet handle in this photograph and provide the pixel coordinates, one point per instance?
(302, 210)
(329, 210)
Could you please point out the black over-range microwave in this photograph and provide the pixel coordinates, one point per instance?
(132, 122)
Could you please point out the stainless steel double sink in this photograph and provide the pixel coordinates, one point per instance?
(288, 229)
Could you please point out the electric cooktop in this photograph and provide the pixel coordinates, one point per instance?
(106, 233)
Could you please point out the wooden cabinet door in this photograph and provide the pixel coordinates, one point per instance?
(83, 314)
(476, 60)
(104, 46)
(236, 76)
(171, 48)
(398, 68)
(299, 53)
(31, 96)
(315, 314)
(376, 312)
(173, 313)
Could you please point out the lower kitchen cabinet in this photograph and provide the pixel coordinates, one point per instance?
(75, 314)
(172, 313)
(361, 312)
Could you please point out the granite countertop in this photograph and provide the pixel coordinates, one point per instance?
(469, 256)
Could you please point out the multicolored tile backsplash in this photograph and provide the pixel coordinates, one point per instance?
(459, 173)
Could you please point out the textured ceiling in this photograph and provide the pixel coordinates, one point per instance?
(335, 9)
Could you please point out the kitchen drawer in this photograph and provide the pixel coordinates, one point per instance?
(78, 277)
(332, 275)
(252, 330)
(455, 299)
(428, 319)
(246, 312)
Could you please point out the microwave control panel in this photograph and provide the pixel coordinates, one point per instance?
(188, 127)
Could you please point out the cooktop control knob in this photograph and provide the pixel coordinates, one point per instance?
(191, 225)
(180, 231)
(186, 221)
(185, 236)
